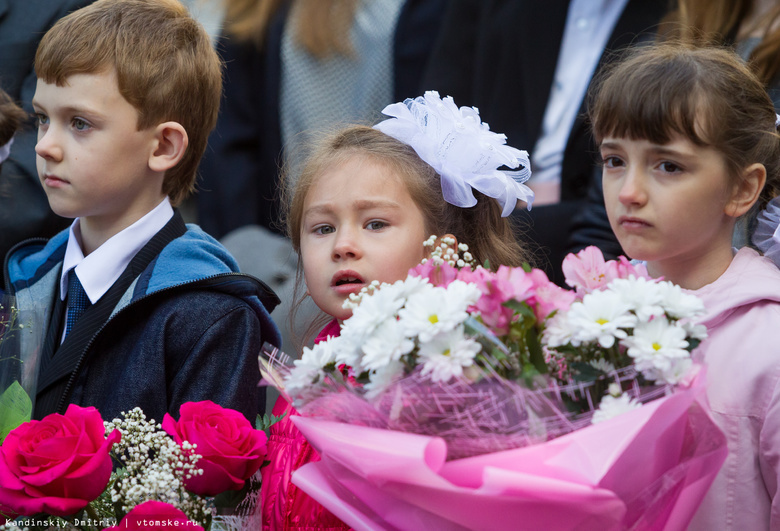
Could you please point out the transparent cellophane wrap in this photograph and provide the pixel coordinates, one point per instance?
(21, 339)
(495, 453)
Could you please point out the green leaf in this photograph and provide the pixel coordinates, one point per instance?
(535, 351)
(527, 267)
(585, 372)
(15, 409)
(521, 308)
(266, 421)
(231, 498)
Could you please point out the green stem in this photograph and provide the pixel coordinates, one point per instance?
(92, 513)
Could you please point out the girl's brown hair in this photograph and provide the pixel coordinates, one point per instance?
(717, 22)
(11, 117)
(490, 237)
(321, 27)
(708, 95)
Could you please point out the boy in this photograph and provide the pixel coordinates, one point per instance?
(141, 310)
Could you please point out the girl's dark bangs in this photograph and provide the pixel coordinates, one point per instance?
(645, 105)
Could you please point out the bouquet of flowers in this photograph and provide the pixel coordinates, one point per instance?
(76, 471)
(439, 382)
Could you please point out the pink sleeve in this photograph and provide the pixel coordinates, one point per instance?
(769, 453)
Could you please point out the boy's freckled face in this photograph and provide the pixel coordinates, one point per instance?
(359, 224)
(91, 159)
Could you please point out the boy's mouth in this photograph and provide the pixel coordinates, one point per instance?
(52, 180)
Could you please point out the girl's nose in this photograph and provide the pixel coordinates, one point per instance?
(48, 147)
(633, 192)
(346, 245)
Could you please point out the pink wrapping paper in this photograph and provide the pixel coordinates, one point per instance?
(646, 469)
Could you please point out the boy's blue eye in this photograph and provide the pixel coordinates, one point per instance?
(376, 225)
(324, 229)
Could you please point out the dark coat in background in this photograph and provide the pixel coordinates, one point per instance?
(500, 56)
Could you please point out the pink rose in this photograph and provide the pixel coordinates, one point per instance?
(155, 515)
(232, 449)
(56, 465)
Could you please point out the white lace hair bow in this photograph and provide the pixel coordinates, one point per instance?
(462, 149)
(5, 150)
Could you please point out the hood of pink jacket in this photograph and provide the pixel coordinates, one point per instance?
(750, 278)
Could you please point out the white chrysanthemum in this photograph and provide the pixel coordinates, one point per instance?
(601, 316)
(678, 304)
(643, 296)
(309, 368)
(558, 331)
(602, 365)
(445, 355)
(437, 310)
(381, 305)
(656, 345)
(611, 406)
(411, 285)
(695, 331)
(677, 372)
(382, 378)
(347, 352)
(387, 343)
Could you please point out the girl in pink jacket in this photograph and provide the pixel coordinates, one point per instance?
(359, 211)
(689, 144)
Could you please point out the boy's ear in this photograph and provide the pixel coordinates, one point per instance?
(747, 190)
(170, 145)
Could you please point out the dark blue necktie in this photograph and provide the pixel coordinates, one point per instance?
(77, 300)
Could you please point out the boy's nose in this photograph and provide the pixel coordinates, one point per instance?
(48, 147)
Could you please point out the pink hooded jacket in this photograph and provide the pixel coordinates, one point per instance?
(284, 505)
(742, 355)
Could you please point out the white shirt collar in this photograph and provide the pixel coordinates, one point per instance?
(98, 271)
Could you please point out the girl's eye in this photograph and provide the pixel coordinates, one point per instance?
(376, 225)
(79, 124)
(324, 229)
(612, 161)
(42, 119)
(670, 167)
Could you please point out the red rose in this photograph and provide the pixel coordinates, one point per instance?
(232, 449)
(56, 465)
(156, 515)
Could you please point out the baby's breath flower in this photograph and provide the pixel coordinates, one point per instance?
(155, 467)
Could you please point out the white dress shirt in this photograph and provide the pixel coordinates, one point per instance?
(589, 23)
(101, 268)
